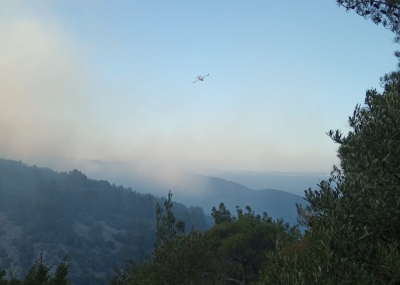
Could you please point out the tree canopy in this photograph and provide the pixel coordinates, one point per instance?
(353, 219)
(385, 12)
(40, 274)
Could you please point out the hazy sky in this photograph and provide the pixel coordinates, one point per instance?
(112, 80)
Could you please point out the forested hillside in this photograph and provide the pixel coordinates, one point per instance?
(352, 220)
(89, 227)
(97, 224)
(193, 189)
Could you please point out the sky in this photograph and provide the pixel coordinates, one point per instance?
(113, 81)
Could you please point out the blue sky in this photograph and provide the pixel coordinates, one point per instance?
(112, 80)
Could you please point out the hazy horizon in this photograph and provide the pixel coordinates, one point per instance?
(112, 81)
(159, 180)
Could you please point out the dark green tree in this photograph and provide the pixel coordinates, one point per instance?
(354, 217)
(60, 276)
(241, 243)
(2, 276)
(221, 215)
(385, 12)
(178, 257)
(40, 274)
(167, 227)
(185, 259)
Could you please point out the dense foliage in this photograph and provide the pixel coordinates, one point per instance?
(97, 224)
(353, 218)
(40, 274)
(385, 12)
(233, 250)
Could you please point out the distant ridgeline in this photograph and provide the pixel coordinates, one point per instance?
(278, 204)
(97, 224)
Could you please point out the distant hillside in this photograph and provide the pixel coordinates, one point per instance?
(292, 182)
(195, 189)
(278, 204)
(97, 224)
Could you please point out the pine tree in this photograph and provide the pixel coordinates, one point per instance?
(385, 12)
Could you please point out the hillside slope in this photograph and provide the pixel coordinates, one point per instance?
(278, 204)
(97, 224)
(194, 189)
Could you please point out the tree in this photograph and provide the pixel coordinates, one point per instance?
(221, 215)
(178, 258)
(60, 276)
(385, 12)
(41, 274)
(166, 227)
(134, 274)
(2, 275)
(242, 243)
(185, 259)
(354, 217)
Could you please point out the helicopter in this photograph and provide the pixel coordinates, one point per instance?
(200, 78)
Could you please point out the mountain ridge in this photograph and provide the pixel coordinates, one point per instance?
(277, 203)
(99, 224)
